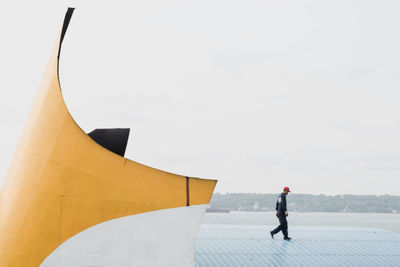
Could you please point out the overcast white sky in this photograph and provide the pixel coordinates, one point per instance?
(259, 94)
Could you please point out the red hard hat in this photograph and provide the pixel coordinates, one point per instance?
(286, 189)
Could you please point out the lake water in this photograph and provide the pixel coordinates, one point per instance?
(389, 222)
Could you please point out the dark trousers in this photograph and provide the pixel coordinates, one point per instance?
(282, 226)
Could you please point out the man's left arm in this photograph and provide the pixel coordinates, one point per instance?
(284, 206)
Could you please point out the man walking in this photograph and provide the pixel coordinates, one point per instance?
(282, 213)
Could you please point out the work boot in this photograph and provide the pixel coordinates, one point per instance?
(287, 238)
(272, 234)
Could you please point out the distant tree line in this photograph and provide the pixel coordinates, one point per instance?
(307, 203)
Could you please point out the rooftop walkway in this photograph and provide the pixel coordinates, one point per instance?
(251, 245)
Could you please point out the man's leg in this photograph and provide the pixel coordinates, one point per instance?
(283, 225)
(277, 229)
(285, 228)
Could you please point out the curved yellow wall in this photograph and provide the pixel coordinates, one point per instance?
(61, 182)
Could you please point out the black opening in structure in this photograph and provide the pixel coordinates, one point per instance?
(115, 139)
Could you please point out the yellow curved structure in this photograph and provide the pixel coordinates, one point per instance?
(61, 182)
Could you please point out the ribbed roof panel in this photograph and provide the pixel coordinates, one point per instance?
(251, 245)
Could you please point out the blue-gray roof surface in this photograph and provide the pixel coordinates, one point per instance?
(251, 245)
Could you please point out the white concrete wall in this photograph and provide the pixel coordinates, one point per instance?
(158, 238)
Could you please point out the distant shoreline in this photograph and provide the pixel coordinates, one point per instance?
(271, 211)
(385, 204)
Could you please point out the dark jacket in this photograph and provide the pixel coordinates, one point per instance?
(281, 205)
